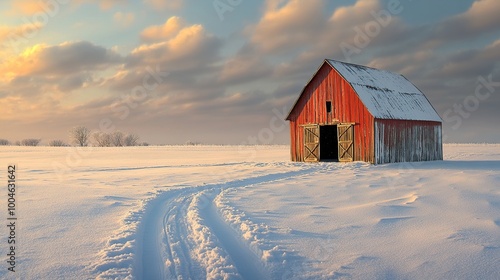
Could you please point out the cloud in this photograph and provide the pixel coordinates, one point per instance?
(76, 81)
(470, 63)
(451, 79)
(158, 33)
(284, 26)
(480, 18)
(124, 19)
(12, 36)
(45, 70)
(37, 84)
(28, 7)
(235, 93)
(192, 47)
(165, 4)
(66, 58)
(320, 34)
(351, 14)
(14, 106)
(294, 25)
(422, 53)
(404, 63)
(199, 85)
(185, 55)
(408, 56)
(103, 4)
(52, 7)
(246, 66)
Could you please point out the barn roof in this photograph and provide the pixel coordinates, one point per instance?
(386, 95)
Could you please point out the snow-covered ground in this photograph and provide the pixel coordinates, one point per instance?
(248, 212)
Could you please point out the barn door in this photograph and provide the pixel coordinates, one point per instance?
(346, 142)
(311, 143)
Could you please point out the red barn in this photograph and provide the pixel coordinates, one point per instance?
(349, 112)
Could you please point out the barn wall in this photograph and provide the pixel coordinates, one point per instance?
(328, 85)
(407, 141)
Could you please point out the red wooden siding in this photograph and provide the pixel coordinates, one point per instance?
(328, 85)
(407, 141)
(402, 125)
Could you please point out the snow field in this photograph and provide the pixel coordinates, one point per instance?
(248, 213)
(434, 220)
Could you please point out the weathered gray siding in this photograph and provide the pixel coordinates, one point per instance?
(407, 141)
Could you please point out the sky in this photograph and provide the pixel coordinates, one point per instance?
(228, 71)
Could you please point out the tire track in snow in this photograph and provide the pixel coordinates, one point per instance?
(166, 253)
(178, 259)
(246, 262)
(148, 242)
(159, 252)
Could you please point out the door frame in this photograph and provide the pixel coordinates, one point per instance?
(312, 144)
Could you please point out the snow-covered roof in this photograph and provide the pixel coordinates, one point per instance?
(386, 95)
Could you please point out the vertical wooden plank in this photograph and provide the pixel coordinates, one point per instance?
(311, 143)
(346, 142)
(400, 141)
(346, 107)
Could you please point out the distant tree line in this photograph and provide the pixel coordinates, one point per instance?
(82, 136)
(192, 143)
(24, 142)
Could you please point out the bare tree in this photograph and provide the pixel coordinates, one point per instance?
(57, 143)
(102, 139)
(131, 140)
(192, 143)
(4, 142)
(30, 142)
(117, 139)
(80, 136)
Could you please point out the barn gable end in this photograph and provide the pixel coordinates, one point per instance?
(368, 114)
